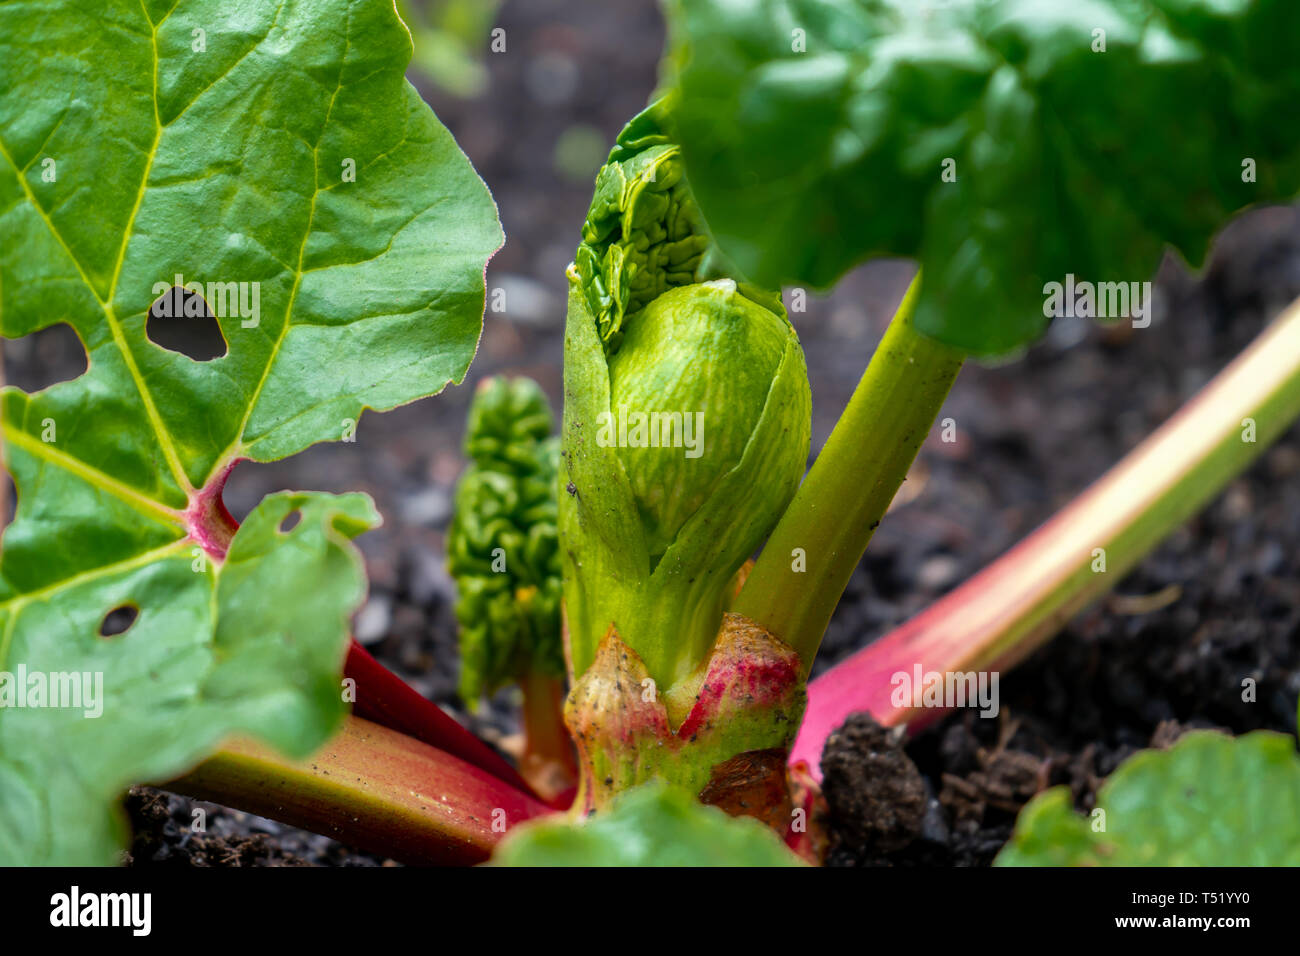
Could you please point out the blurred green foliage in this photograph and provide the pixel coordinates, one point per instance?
(451, 37)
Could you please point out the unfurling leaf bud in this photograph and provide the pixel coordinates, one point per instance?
(693, 377)
(686, 420)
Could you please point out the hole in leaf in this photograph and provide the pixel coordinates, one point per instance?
(118, 621)
(290, 521)
(246, 485)
(46, 357)
(180, 321)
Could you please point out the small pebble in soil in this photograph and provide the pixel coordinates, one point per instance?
(374, 618)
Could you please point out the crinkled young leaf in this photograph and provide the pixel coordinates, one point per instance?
(1209, 800)
(652, 825)
(276, 145)
(816, 134)
(641, 238)
(503, 548)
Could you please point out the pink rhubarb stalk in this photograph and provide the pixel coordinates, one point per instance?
(1003, 613)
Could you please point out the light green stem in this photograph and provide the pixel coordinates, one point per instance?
(803, 570)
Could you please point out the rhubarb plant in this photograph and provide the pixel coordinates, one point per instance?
(256, 153)
(1011, 148)
(712, 182)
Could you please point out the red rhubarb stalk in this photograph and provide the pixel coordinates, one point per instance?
(381, 696)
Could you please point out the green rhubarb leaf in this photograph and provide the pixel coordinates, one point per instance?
(274, 154)
(651, 825)
(1077, 138)
(1209, 800)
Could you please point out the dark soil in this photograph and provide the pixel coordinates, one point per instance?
(170, 830)
(1030, 435)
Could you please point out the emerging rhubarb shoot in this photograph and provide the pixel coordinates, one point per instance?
(503, 552)
(686, 430)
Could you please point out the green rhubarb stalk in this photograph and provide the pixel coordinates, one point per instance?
(806, 564)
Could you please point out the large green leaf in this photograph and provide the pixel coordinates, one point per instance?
(214, 140)
(651, 825)
(816, 133)
(1210, 800)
